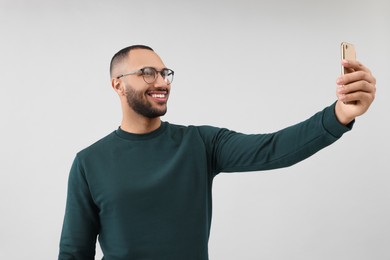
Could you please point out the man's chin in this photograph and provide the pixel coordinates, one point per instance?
(149, 110)
(155, 113)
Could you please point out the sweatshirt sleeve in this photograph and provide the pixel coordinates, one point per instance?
(81, 221)
(230, 151)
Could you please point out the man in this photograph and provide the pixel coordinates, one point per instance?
(145, 189)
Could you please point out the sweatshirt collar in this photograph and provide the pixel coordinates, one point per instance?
(130, 136)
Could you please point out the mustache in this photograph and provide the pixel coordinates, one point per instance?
(158, 90)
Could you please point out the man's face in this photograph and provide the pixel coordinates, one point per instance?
(146, 99)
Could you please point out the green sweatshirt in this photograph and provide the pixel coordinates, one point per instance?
(148, 196)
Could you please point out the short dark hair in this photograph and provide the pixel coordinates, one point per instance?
(123, 54)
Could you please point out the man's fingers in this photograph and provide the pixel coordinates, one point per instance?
(355, 65)
(359, 72)
(356, 76)
(355, 91)
(363, 98)
(363, 86)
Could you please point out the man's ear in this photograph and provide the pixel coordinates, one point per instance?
(118, 86)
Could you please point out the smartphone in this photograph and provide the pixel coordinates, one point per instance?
(348, 52)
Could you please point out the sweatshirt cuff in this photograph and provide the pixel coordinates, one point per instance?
(332, 124)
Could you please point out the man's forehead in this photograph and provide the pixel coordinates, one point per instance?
(142, 57)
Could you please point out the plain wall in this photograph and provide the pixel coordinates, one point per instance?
(251, 66)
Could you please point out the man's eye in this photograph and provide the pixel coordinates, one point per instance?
(148, 72)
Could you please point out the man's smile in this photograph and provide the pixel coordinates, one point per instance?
(160, 95)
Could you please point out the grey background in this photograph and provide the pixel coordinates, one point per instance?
(251, 66)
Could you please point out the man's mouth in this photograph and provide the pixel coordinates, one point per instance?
(160, 95)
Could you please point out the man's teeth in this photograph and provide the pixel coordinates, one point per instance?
(158, 95)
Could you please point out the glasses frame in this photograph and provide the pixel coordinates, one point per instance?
(141, 72)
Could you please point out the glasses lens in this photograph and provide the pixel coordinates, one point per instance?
(167, 74)
(149, 74)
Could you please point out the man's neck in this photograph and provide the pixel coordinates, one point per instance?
(140, 125)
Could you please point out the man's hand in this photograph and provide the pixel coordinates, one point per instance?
(355, 91)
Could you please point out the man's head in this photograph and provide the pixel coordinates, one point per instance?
(142, 91)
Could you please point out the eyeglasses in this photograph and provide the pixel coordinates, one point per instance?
(150, 74)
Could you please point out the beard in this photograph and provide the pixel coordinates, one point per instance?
(137, 101)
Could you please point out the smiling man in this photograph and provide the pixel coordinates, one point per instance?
(145, 189)
(145, 89)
